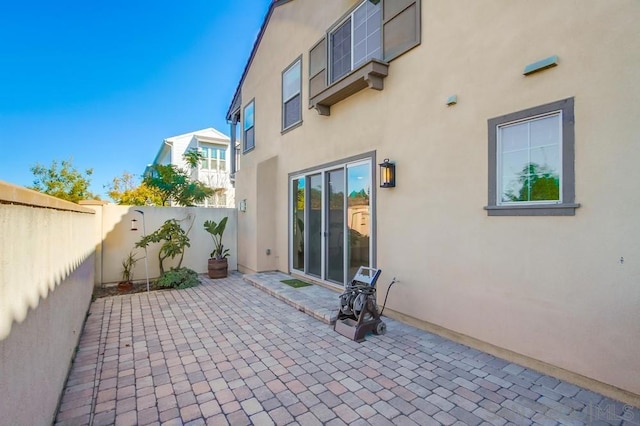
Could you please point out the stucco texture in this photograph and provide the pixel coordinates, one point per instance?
(550, 288)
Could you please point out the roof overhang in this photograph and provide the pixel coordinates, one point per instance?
(237, 96)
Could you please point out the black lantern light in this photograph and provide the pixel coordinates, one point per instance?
(387, 174)
(134, 224)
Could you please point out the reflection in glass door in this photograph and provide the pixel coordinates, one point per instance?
(335, 225)
(358, 217)
(297, 230)
(314, 207)
(331, 221)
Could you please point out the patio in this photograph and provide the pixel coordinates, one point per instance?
(226, 352)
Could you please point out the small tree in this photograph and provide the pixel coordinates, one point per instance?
(174, 242)
(124, 191)
(127, 267)
(193, 157)
(173, 184)
(65, 182)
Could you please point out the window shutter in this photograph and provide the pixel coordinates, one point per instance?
(401, 27)
(318, 68)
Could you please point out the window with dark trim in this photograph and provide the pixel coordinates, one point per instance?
(292, 94)
(356, 50)
(356, 40)
(531, 162)
(248, 126)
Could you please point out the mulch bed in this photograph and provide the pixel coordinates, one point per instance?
(113, 290)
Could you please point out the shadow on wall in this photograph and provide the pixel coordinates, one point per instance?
(46, 279)
(39, 249)
(117, 239)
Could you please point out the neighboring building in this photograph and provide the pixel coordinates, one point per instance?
(513, 226)
(213, 170)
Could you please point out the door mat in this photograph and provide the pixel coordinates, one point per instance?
(295, 283)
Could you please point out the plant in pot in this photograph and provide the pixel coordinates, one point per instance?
(127, 273)
(218, 265)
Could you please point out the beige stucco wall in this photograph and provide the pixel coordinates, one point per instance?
(116, 240)
(46, 280)
(549, 288)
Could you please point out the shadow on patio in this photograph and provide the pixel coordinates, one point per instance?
(226, 353)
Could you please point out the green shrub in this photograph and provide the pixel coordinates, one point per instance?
(178, 278)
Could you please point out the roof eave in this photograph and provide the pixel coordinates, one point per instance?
(256, 44)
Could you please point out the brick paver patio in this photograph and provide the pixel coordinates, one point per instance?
(226, 352)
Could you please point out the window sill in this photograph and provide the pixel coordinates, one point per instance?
(290, 128)
(248, 150)
(371, 74)
(533, 210)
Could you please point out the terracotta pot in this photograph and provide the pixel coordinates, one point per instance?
(125, 285)
(218, 268)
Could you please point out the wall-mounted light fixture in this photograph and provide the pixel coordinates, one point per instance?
(243, 205)
(134, 224)
(387, 174)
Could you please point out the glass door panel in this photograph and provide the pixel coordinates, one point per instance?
(358, 217)
(331, 222)
(335, 225)
(297, 231)
(314, 208)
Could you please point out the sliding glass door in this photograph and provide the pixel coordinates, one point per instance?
(330, 221)
(334, 189)
(358, 217)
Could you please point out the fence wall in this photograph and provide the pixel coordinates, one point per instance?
(114, 238)
(46, 279)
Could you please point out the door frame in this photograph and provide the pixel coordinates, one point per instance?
(368, 157)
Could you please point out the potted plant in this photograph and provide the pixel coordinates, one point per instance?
(127, 273)
(218, 265)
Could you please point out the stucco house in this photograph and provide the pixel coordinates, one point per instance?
(214, 169)
(512, 225)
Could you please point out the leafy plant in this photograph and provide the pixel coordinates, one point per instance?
(174, 242)
(178, 278)
(63, 181)
(174, 184)
(217, 230)
(127, 267)
(123, 190)
(193, 157)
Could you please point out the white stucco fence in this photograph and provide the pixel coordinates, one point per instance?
(46, 281)
(115, 240)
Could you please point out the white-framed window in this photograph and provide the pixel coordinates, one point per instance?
(531, 162)
(248, 127)
(215, 158)
(356, 40)
(292, 95)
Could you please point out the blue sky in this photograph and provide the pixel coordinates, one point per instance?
(104, 82)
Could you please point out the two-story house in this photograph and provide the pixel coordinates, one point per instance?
(512, 222)
(213, 170)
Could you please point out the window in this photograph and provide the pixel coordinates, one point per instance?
(291, 95)
(356, 40)
(214, 159)
(531, 156)
(237, 150)
(248, 134)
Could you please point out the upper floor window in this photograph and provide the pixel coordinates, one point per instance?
(248, 134)
(356, 40)
(215, 158)
(291, 95)
(531, 161)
